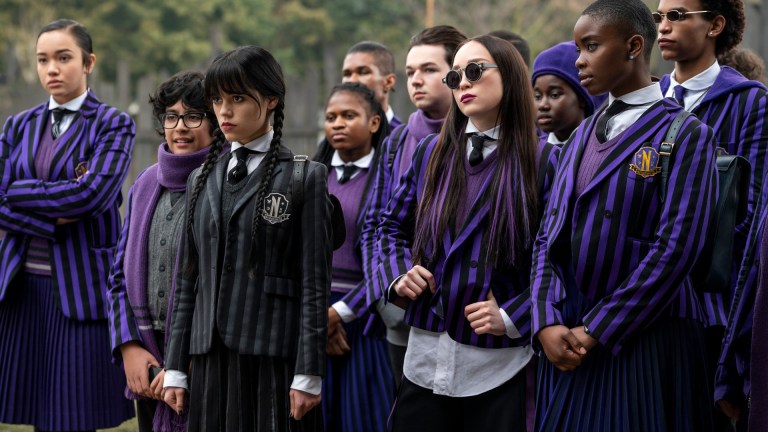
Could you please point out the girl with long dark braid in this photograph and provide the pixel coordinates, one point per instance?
(250, 311)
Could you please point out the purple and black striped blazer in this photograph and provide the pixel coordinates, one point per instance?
(101, 139)
(460, 270)
(736, 109)
(631, 255)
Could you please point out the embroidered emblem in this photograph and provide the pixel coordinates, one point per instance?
(275, 208)
(719, 151)
(646, 162)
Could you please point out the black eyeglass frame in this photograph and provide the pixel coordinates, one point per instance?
(455, 74)
(183, 118)
(658, 17)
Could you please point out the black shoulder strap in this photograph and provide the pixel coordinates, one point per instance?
(666, 148)
(395, 144)
(297, 188)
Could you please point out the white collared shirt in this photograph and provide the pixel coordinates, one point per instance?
(489, 145)
(259, 145)
(640, 100)
(390, 114)
(363, 163)
(73, 105)
(695, 88)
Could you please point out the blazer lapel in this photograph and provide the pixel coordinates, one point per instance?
(213, 187)
(640, 132)
(253, 180)
(480, 208)
(75, 138)
(31, 146)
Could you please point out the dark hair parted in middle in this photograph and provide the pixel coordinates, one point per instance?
(513, 189)
(253, 72)
(629, 17)
(186, 87)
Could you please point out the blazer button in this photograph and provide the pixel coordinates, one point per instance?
(169, 217)
(161, 268)
(161, 294)
(473, 264)
(553, 212)
(162, 242)
(229, 267)
(608, 213)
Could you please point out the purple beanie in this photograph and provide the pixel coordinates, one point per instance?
(560, 61)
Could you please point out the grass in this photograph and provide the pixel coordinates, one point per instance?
(129, 426)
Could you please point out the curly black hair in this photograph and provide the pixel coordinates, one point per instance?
(186, 87)
(735, 22)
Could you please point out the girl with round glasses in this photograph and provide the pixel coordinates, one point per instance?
(62, 166)
(456, 241)
(614, 312)
(140, 293)
(735, 109)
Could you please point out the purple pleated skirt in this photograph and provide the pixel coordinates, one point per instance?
(55, 372)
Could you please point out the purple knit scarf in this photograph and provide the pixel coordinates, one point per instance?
(170, 172)
(419, 126)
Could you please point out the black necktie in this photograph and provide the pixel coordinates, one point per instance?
(349, 171)
(680, 95)
(58, 115)
(240, 171)
(602, 123)
(476, 155)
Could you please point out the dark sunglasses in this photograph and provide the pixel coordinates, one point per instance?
(473, 72)
(674, 15)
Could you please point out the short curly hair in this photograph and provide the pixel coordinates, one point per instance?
(186, 87)
(735, 21)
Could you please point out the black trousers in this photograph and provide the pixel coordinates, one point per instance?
(500, 409)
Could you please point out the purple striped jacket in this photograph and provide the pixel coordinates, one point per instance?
(101, 140)
(630, 255)
(460, 270)
(735, 109)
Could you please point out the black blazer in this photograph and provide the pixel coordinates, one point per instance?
(283, 311)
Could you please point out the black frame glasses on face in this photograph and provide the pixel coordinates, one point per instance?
(191, 119)
(473, 71)
(674, 15)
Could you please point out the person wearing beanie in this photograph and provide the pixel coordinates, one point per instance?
(561, 103)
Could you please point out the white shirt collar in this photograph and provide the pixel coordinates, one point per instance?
(363, 162)
(702, 81)
(643, 96)
(490, 133)
(390, 114)
(260, 144)
(73, 105)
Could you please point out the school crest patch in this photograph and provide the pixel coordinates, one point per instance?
(275, 208)
(646, 162)
(719, 151)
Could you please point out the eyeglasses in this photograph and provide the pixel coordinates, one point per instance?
(674, 15)
(473, 72)
(191, 119)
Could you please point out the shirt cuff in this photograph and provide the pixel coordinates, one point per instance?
(345, 313)
(391, 287)
(311, 384)
(174, 378)
(512, 331)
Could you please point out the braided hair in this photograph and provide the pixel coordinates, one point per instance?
(253, 72)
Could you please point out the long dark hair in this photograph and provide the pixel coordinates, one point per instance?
(513, 192)
(252, 71)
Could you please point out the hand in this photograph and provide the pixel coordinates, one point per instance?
(64, 221)
(337, 342)
(413, 283)
(587, 341)
(136, 362)
(333, 320)
(302, 402)
(174, 397)
(485, 317)
(731, 410)
(156, 386)
(562, 347)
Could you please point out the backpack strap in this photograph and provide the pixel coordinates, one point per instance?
(395, 144)
(665, 151)
(297, 187)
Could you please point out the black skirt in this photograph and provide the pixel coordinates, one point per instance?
(234, 392)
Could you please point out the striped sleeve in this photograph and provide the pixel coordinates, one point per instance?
(752, 139)
(11, 220)
(647, 290)
(96, 191)
(122, 326)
